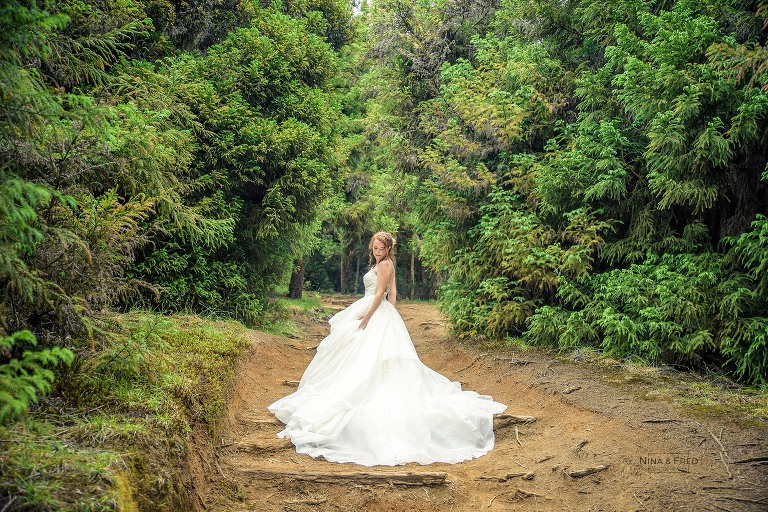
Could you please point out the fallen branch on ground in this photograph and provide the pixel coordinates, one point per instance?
(581, 445)
(505, 420)
(296, 347)
(515, 495)
(520, 493)
(723, 453)
(353, 477)
(762, 458)
(761, 501)
(273, 421)
(431, 323)
(491, 478)
(292, 383)
(529, 475)
(319, 501)
(513, 360)
(586, 471)
(717, 440)
(727, 469)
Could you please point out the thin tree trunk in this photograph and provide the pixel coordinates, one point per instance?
(296, 286)
(413, 274)
(342, 273)
(357, 274)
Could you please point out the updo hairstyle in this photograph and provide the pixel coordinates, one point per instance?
(385, 238)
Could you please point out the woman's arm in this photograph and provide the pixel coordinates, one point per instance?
(384, 275)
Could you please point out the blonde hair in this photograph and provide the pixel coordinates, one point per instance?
(387, 239)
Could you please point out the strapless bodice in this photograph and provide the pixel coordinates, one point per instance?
(370, 280)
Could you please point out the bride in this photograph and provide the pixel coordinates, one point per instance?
(367, 398)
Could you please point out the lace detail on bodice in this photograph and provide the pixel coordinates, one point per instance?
(370, 279)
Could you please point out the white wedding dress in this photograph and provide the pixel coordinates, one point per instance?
(367, 398)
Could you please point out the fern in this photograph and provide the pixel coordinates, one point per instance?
(751, 250)
(23, 379)
(96, 38)
(546, 326)
(745, 342)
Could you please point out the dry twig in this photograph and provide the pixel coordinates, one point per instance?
(296, 347)
(760, 459)
(10, 502)
(528, 475)
(308, 501)
(761, 501)
(513, 360)
(586, 471)
(717, 440)
(526, 494)
(202, 501)
(727, 469)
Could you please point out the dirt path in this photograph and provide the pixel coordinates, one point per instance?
(586, 416)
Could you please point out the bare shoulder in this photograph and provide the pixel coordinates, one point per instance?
(384, 266)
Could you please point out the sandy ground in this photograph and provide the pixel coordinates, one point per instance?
(658, 457)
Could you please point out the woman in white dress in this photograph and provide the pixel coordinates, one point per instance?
(367, 398)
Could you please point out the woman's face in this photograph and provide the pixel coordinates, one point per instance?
(380, 251)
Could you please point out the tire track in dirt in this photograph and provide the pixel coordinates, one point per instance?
(657, 459)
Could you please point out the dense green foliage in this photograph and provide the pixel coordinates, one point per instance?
(586, 173)
(578, 173)
(174, 156)
(137, 172)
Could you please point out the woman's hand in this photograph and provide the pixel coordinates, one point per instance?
(364, 321)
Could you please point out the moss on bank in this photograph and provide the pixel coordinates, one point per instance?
(114, 435)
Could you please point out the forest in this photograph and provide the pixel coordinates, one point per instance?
(558, 173)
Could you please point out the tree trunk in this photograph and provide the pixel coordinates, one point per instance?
(296, 286)
(413, 274)
(342, 274)
(357, 275)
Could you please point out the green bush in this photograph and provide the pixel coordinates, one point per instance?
(678, 308)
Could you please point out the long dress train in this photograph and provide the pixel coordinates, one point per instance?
(367, 398)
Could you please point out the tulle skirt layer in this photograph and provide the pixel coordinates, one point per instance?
(367, 398)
